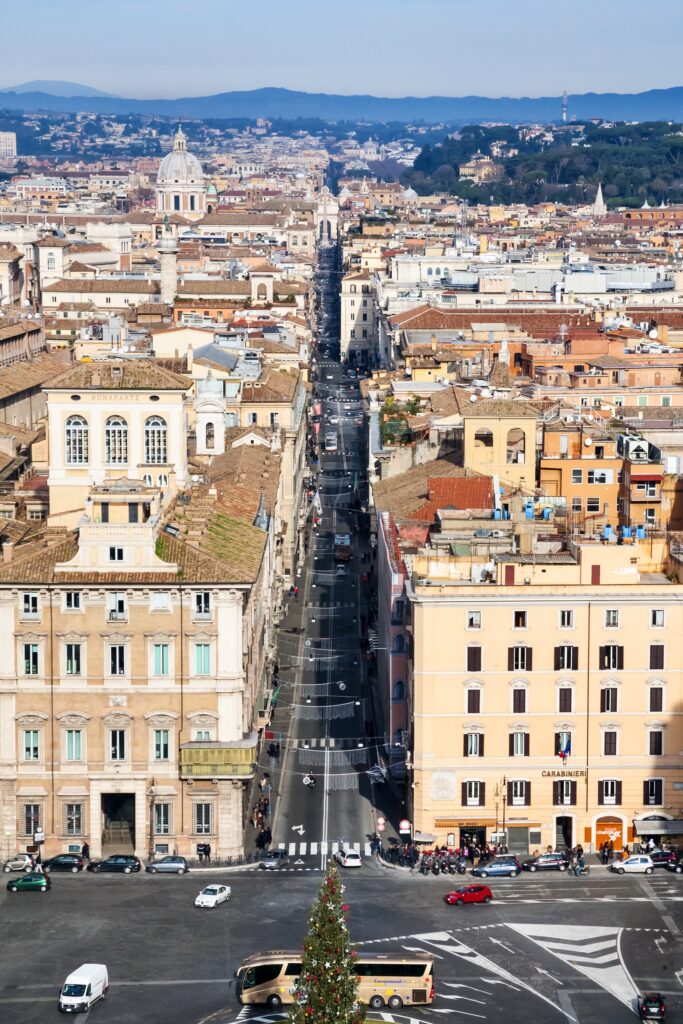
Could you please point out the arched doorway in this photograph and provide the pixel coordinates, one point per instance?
(609, 829)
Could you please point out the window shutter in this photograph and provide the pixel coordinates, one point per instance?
(481, 745)
(557, 743)
(463, 794)
(557, 659)
(573, 794)
(527, 794)
(618, 793)
(575, 659)
(645, 793)
(603, 657)
(509, 794)
(529, 659)
(465, 741)
(620, 657)
(511, 659)
(526, 744)
(601, 793)
(64, 819)
(511, 744)
(603, 701)
(657, 656)
(556, 791)
(482, 794)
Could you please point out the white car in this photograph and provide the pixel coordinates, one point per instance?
(638, 863)
(212, 895)
(348, 858)
(333, 419)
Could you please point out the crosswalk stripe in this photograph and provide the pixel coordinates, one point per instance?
(314, 848)
(335, 847)
(368, 850)
(302, 849)
(292, 849)
(323, 849)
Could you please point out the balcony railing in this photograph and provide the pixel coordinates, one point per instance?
(217, 760)
(113, 616)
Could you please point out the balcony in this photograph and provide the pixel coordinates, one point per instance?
(218, 760)
(116, 616)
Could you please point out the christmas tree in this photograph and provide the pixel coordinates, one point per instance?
(326, 992)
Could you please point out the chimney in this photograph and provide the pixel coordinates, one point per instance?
(7, 550)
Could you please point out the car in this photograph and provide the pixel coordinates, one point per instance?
(20, 862)
(546, 862)
(273, 859)
(637, 863)
(212, 895)
(651, 1006)
(666, 859)
(72, 862)
(468, 894)
(348, 858)
(125, 863)
(316, 419)
(341, 570)
(333, 419)
(509, 866)
(168, 865)
(36, 881)
(329, 377)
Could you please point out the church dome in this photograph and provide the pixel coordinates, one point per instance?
(180, 167)
(409, 193)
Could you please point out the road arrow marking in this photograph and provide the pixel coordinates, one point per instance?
(298, 828)
(679, 977)
(549, 975)
(499, 943)
(661, 941)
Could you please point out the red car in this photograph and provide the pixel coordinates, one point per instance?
(468, 894)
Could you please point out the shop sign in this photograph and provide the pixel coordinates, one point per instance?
(566, 773)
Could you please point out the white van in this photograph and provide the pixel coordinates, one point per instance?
(83, 987)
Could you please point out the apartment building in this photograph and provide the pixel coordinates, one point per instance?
(358, 319)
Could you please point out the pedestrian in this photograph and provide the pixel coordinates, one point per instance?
(254, 818)
(207, 852)
(266, 809)
(296, 593)
(200, 852)
(85, 851)
(610, 850)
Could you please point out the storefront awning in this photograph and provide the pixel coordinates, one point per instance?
(655, 826)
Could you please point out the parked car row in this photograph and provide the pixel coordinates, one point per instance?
(508, 865)
(122, 863)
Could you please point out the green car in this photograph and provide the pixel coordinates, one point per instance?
(35, 882)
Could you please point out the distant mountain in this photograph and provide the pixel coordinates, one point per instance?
(654, 105)
(65, 89)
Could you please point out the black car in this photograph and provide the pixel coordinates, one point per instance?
(72, 862)
(666, 859)
(651, 1006)
(546, 862)
(125, 863)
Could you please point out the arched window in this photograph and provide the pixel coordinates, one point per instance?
(76, 438)
(261, 293)
(155, 441)
(210, 435)
(429, 271)
(147, 479)
(116, 441)
(516, 444)
(483, 439)
(162, 480)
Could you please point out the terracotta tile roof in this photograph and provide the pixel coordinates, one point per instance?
(129, 376)
(457, 493)
(537, 323)
(32, 373)
(103, 285)
(501, 408)
(243, 476)
(16, 330)
(403, 494)
(272, 386)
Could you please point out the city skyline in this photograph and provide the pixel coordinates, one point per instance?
(248, 48)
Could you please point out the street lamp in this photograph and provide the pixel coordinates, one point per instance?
(151, 793)
(505, 798)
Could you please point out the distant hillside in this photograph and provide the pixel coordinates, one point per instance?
(50, 88)
(655, 105)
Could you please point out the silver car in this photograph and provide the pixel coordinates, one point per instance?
(274, 859)
(168, 865)
(20, 862)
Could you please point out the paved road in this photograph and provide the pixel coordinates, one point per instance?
(547, 949)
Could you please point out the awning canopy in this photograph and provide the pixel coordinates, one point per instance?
(657, 826)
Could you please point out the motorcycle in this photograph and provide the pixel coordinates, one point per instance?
(309, 780)
(578, 871)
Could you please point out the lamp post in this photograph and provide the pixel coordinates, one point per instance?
(505, 798)
(151, 792)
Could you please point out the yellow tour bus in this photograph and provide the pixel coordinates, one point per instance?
(384, 979)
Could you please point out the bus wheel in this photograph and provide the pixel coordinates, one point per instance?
(376, 1002)
(274, 1002)
(395, 1002)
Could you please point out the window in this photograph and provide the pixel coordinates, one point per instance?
(202, 605)
(115, 441)
(564, 793)
(577, 476)
(117, 660)
(567, 658)
(592, 504)
(29, 606)
(519, 701)
(73, 814)
(656, 743)
(162, 819)
(31, 745)
(611, 618)
(116, 607)
(611, 656)
(202, 819)
(72, 600)
(73, 659)
(566, 618)
(473, 701)
(563, 742)
(117, 744)
(76, 441)
(474, 620)
(609, 699)
(666, 401)
(473, 744)
(161, 659)
(577, 504)
(473, 793)
(160, 601)
(609, 791)
(74, 745)
(155, 441)
(30, 659)
(519, 620)
(657, 618)
(519, 793)
(609, 743)
(474, 659)
(519, 744)
(649, 490)
(115, 554)
(656, 701)
(202, 734)
(657, 656)
(642, 400)
(650, 516)
(519, 659)
(565, 699)
(31, 818)
(653, 791)
(202, 659)
(600, 476)
(161, 745)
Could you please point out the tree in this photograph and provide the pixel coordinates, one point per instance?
(326, 992)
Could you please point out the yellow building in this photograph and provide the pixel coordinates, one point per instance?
(552, 714)
(500, 441)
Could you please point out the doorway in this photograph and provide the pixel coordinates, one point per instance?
(118, 823)
(564, 833)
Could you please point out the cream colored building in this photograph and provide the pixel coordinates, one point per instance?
(358, 319)
(500, 441)
(577, 653)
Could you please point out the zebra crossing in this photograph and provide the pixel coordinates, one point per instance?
(330, 848)
(323, 743)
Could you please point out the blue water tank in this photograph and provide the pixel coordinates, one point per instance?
(497, 514)
(640, 532)
(546, 513)
(627, 531)
(607, 532)
(529, 511)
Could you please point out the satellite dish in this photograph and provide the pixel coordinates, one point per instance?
(588, 441)
(654, 334)
(473, 398)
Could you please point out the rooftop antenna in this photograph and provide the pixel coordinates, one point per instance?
(565, 106)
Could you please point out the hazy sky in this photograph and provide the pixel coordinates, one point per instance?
(169, 48)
